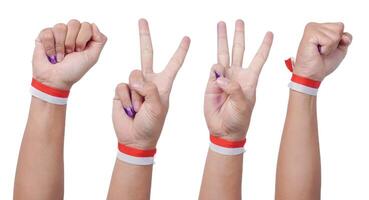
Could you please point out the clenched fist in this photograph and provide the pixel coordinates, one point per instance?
(64, 53)
(140, 107)
(231, 91)
(322, 48)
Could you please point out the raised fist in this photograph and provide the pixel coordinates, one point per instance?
(322, 48)
(64, 53)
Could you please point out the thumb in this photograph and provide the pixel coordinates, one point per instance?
(151, 95)
(233, 89)
(345, 42)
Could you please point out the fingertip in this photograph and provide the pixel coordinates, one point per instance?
(142, 22)
(240, 25)
(221, 24)
(186, 40)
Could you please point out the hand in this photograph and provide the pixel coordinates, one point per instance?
(140, 107)
(231, 90)
(321, 50)
(64, 53)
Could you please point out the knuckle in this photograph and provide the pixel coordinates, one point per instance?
(310, 25)
(134, 73)
(86, 24)
(120, 87)
(60, 27)
(47, 34)
(73, 22)
(340, 26)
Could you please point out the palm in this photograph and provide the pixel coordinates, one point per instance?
(223, 115)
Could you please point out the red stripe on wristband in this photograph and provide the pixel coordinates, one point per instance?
(299, 79)
(226, 143)
(49, 90)
(136, 152)
(305, 81)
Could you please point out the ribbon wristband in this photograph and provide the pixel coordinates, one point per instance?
(49, 94)
(301, 84)
(226, 147)
(135, 156)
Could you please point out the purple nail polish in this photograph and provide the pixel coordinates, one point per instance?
(130, 112)
(217, 75)
(133, 111)
(52, 59)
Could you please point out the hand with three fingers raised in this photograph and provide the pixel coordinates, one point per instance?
(231, 90)
(65, 52)
(140, 106)
(322, 48)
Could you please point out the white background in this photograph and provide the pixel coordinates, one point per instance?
(90, 142)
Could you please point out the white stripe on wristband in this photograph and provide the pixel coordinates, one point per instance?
(303, 89)
(49, 94)
(225, 147)
(135, 156)
(135, 160)
(226, 151)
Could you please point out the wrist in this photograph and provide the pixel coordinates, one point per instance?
(49, 94)
(301, 82)
(135, 156)
(227, 147)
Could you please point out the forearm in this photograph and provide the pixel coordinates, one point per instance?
(40, 164)
(298, 171)
(222, 177)
(130, 182)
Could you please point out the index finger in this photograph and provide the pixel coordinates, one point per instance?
(145, 46)
(177, 59)
(262, 54)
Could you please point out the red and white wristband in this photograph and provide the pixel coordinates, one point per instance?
(49, 94)
(226, 147)
(301, 84)
(135, 156)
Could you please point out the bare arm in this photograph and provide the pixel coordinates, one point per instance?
(298, 174)
(222, 177)
(40, 164)
(321, 50)
(229, 100)
(130, 181)
(57, 65)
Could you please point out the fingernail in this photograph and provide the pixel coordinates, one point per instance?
(217, 75)
(59, 57)
(52, 59)
(130, 112)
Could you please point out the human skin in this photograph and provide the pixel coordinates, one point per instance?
(76, 48)
(322, 48)
(229, 100)
(147, 93)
